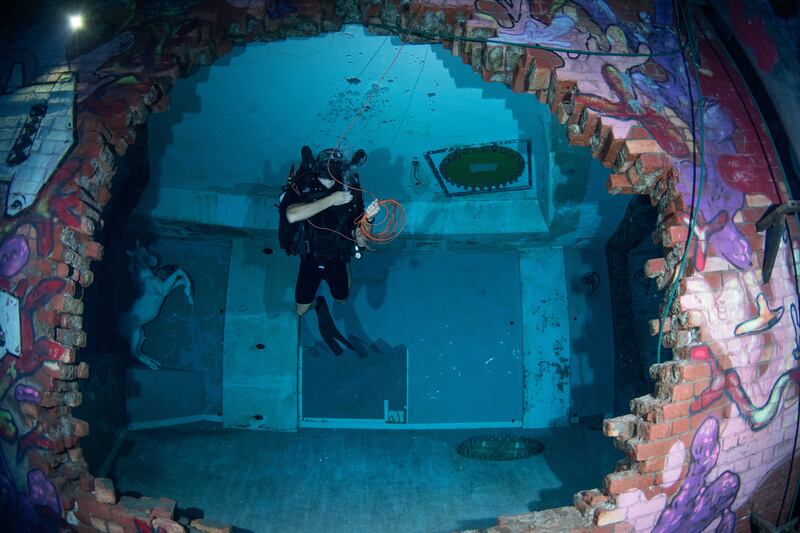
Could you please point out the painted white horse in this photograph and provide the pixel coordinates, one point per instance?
(153, 285)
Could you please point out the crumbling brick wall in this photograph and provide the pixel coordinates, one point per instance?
(712, 441)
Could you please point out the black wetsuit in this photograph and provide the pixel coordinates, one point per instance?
(329, 240)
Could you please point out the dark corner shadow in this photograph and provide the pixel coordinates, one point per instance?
(184, 100)
(125, 449)
(189, 513)
(591, 335)
(599, 459)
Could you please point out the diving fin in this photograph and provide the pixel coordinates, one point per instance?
(327, 328)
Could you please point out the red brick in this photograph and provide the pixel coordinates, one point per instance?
(87, 503)
(680, 426)
(651, 166)
(104, 491)
(650, 450)
(682, 391)
(619, 482)
(618, 184)
(646, 146)
(675, 235)
(652, 465)
(654, 267)
(650, 431)
(676, 410)
(93, 250)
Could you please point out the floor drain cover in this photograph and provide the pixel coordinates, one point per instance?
(499, 447)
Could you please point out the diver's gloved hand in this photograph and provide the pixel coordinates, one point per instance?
(327, 328)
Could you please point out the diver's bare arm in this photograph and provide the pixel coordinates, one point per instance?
(298, 212)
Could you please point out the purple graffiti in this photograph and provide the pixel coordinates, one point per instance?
(696, 504)
(14, 254)
(25, 393)
(38, 510)
(42, 492)
(718, 195)
(673, 91)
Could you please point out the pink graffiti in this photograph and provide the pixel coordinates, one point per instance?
(703, 230)
(668, 136)
(729, 383)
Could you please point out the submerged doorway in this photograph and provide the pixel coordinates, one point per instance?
(438, 343)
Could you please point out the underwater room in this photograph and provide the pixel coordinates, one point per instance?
(399, 266)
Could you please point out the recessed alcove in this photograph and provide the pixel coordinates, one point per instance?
(491, 313)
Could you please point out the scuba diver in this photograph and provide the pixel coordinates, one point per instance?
(319, 221)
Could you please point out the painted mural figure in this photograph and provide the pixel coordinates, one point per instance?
(153, 285)
(320, 211)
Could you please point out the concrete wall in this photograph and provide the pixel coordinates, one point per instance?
(590, 328)
(311, 89)
(259, 382)
(456, 315)
(189, 337)
(545, 337)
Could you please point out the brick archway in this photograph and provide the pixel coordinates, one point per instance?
(709, 394)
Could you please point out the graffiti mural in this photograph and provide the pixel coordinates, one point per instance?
(20, 383)
(701, 500)
(729, 383)
(37, 509)
(43, 120)
(642, 90)
(764, 320)
(9, 325)
(14, 254)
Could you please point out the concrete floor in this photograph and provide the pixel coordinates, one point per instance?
(355, 480)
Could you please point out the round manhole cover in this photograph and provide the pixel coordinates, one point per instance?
(482, 167)
(499, 447)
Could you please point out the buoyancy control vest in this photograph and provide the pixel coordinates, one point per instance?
(326, 235)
